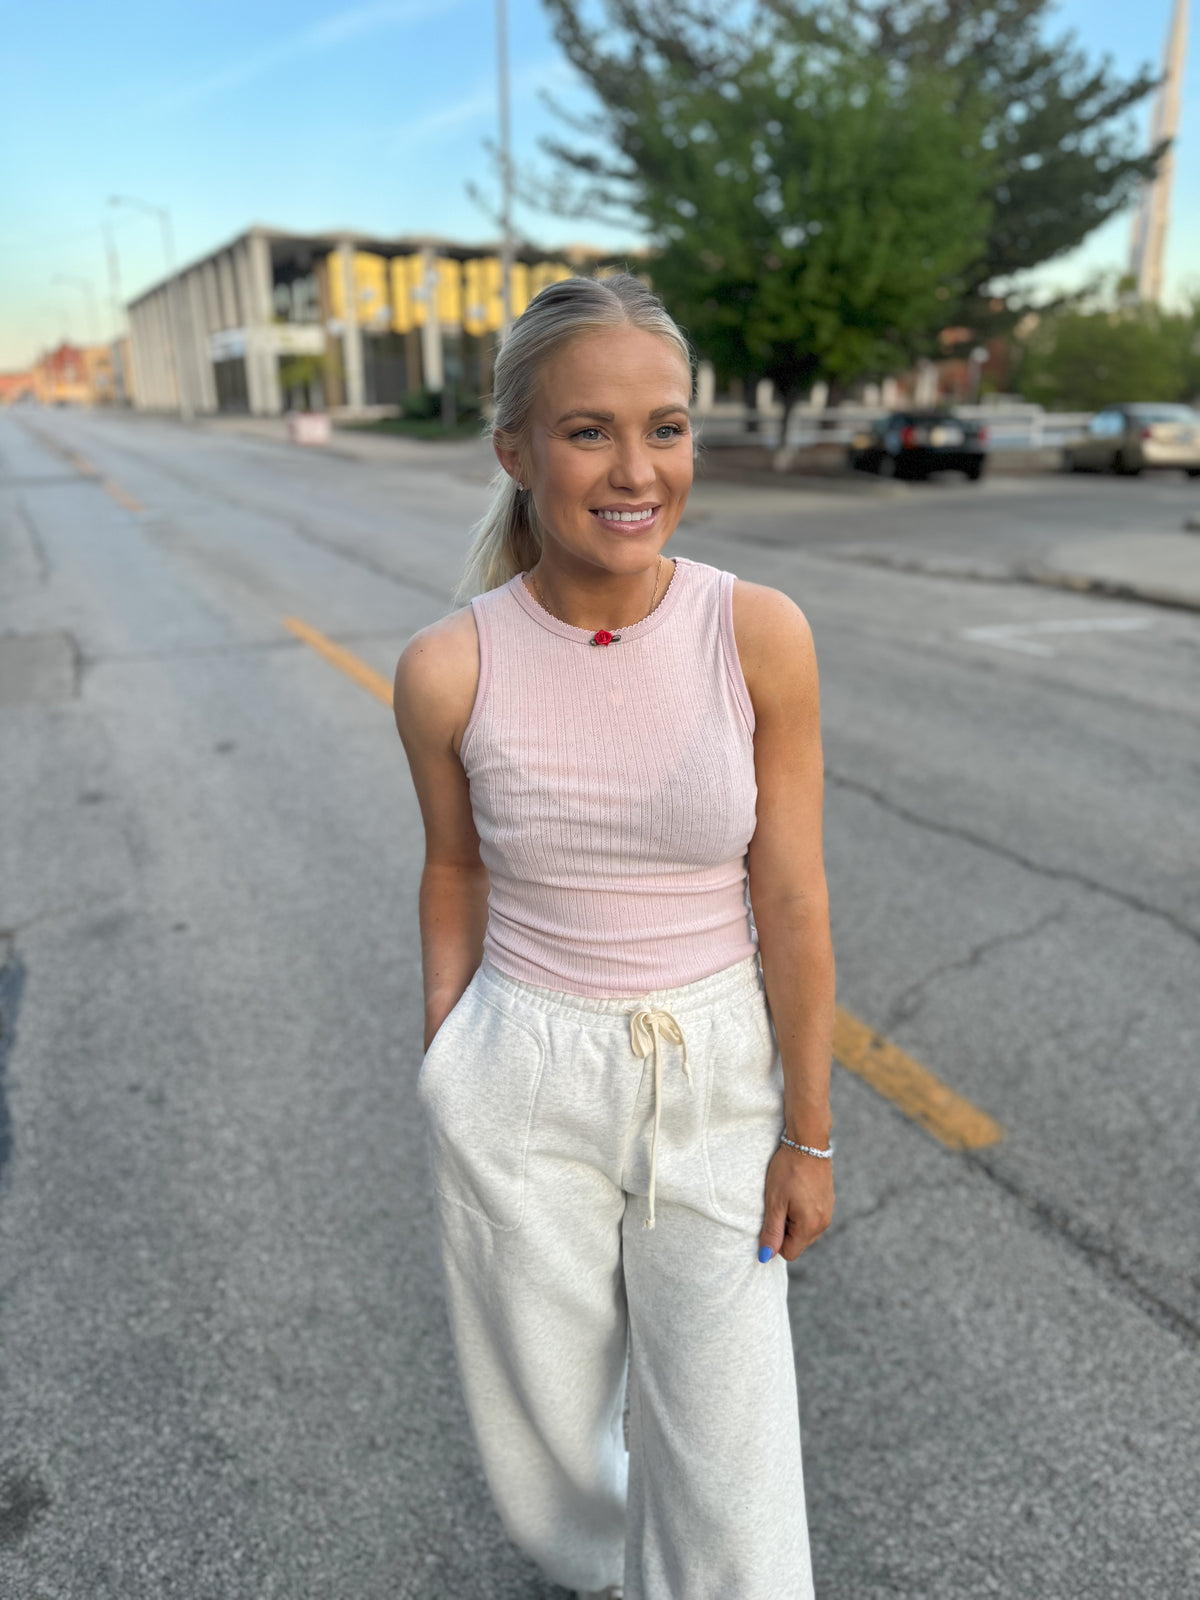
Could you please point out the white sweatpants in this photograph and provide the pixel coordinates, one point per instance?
(541, 1113)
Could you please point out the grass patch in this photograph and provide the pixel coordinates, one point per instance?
(419, 427)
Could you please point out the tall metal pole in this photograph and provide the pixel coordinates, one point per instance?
(1149, 242)
(506, 240)
(174, 289)
(171, 290)
(114, 277)
(84, 285)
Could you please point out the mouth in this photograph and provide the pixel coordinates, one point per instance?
(634, 518)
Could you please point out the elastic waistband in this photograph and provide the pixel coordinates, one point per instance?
(740, 981)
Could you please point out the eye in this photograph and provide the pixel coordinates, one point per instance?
(588, 435)
(668, 430)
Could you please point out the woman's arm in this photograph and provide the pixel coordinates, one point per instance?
(790, 901)
(436, 679)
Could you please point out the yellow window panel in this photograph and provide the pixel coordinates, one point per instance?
(449, 290)
(474, 317)
(337, 285)
(371, 288)
(518, 287)
(493, 279)
(408, 293)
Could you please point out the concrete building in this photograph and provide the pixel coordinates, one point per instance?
(276, 320)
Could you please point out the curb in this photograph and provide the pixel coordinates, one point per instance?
(1112, 589)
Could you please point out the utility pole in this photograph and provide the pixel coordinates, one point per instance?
(114, 277)
(506, 240)
(172, 293)
(84, 285)
(1149, 241)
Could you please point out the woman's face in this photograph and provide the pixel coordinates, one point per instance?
(609, 451)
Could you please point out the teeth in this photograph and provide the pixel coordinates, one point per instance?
(625, 516)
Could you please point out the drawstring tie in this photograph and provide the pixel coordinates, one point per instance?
(647, 1030)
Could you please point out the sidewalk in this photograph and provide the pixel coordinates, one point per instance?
(467, 456)
(1160, 567)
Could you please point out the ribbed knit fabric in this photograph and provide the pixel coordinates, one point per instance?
(613, 790)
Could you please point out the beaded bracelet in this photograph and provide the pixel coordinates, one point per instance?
(825, 1155)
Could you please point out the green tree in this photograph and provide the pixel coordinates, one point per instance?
(830, 182)
(813, 210)
(1084, 360)
(1068, 156)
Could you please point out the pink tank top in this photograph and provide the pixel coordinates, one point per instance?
(613, 790)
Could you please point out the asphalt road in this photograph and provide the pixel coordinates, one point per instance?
(224, 1363)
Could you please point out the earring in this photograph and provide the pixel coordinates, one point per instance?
(520, 485)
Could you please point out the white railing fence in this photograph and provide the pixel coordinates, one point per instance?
(1010, 427)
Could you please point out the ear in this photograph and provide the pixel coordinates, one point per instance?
(508, 457)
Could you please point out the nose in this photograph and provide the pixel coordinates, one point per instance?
(633, 469)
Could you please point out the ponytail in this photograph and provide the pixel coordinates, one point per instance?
(506, 540)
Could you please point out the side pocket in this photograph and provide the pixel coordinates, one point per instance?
(743, 1114)
(478, 1085)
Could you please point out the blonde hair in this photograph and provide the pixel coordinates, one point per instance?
(508, 538)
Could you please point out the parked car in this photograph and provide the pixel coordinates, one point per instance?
(912, 444)
(1127, 438)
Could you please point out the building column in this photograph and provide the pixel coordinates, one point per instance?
(260, 350)
(352, 347)
(433, 372)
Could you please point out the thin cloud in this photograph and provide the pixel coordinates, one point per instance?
(480, 103)
(325, 34)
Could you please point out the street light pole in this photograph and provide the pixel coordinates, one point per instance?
(172, 289)
(114, 277)
(84, 285)
(506, 240)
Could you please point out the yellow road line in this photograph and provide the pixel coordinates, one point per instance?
(80, 463)
(121, 497)
(344, 660)
(86, 470)
(911, 1087)
(922, 1097)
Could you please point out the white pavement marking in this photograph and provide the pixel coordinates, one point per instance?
(1016, 635)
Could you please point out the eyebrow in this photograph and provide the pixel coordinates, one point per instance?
(607, 416)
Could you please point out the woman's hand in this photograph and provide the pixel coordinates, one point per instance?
(797, 1203)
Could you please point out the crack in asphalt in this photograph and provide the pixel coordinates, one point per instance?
(893, 1191)
(12, 985)
(916, 567)
(233, 647)
(41, 558)
(1087, 1242)
(953, 830)
(1099, 1253)
(1017, 576)
(909, 1002)
(295, 525)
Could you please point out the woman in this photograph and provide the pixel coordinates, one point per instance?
(626, 1078)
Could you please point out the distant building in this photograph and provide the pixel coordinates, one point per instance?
(68, 375)
(276, 320)
(17, 386)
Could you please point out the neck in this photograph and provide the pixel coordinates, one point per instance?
(591, 600)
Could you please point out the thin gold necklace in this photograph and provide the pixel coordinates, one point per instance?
(602, 635)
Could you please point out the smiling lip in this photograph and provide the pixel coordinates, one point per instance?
(627, 516)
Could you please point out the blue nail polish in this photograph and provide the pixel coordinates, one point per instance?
(765, 1253)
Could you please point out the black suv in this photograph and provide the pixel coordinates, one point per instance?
(912, 444)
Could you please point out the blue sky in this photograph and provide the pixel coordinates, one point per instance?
(311, 114)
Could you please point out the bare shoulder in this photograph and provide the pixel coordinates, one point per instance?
(774, 643)
(437, 676)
